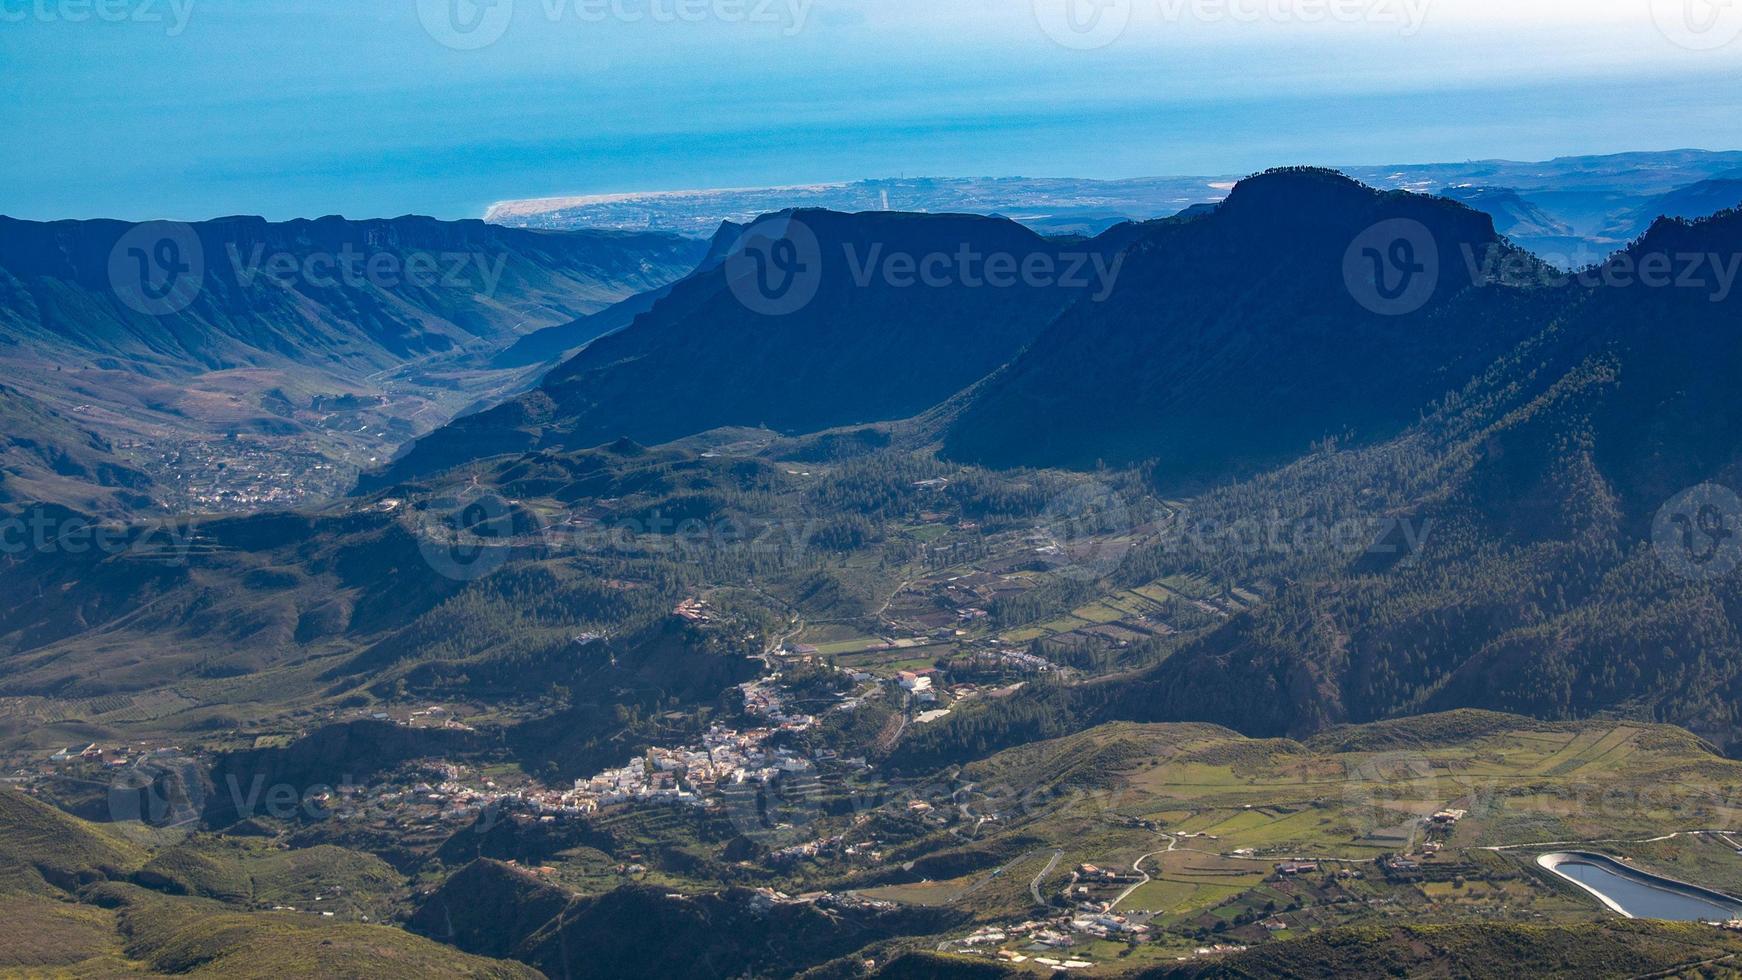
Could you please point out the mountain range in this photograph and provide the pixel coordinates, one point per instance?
(701, 357)
(1569, 210)
(956, 567)
(1539, 421)
(331, 340)
(1234, 341)
(1549, 584)
(1214, 344)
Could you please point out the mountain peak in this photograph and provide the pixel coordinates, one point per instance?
(1292, 198)
(1298, 188)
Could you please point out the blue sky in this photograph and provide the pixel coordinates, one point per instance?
(195, 108)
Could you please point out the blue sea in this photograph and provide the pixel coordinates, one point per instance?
(190, 109)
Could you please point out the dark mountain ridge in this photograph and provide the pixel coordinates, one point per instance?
(1547, 586)
(1235, 341)
(1208, 325)
(874, 343)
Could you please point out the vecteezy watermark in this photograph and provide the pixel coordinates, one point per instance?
(354, 268)
(775, 267)
(234, 797)
(1698, 533)
(164, 796)
(160, 797)
(1714, 273)
(1409, 15)
(1275, 534)
(777, 811)
(1698, 25)
(465, 533)
(42, 531)
(469, 532)
(158, 267)
(467, 25)
(685, 538)
(174, 13)
(967, 267)
(1085, 531)
(1375, 786)
(1393, 267)
(1083, 25)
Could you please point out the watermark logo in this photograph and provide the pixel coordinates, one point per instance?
(1376, 789)
(1713, 273)
(1086, 25)
(465, 534)
(688, 538)
(775, 813)
(45, 531)
(1399, 538)
(1698, 533)
(351, 267)
(1698, 25)
(158, 267)
(1410, 15)
(468, 25)
(1085, 532)
(776, 267)
(158, 798)
(1083, 25)
(1095, 273)
(789, 15)
(1393, 267)
(465, 25)
(175, 13)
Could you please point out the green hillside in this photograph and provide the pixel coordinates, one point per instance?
(41, 846)
(1609, 949)
(80, 897)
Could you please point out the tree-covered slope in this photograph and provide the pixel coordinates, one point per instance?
(1236, 340)
(1562, 570)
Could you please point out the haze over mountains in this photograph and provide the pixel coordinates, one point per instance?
(329, 340)
(1570, 210)
(338, 375)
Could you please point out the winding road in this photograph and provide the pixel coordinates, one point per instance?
(1034, 886)
(1137, 866)
(1576, 843)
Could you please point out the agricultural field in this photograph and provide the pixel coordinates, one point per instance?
(1199, 830)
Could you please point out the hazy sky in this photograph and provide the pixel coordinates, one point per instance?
(195, 108)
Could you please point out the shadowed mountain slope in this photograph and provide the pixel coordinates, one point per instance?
(1235, 341)
(881, 338)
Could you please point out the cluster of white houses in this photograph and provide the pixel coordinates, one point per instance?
(690, 774)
